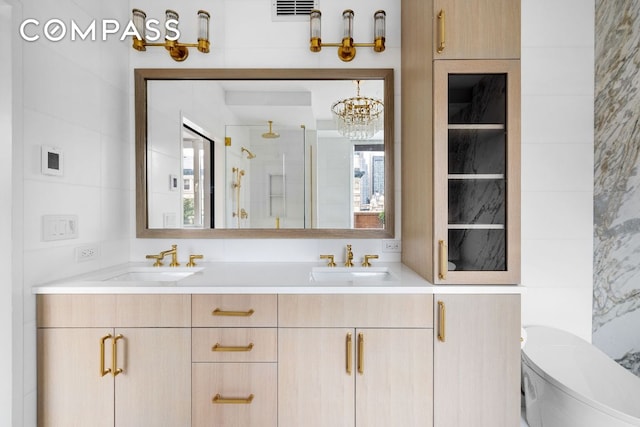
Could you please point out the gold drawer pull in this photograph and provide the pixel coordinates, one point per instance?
(441, 19)
(220, 347)
(218, 399)
(444, 258)
(361, 353)
(218, 312)
(114, 348)
(441, 319)
(103, 371)
(349, 353)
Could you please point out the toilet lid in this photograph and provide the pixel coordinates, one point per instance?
(582, 370)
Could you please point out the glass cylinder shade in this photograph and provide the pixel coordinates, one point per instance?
(203, 25)
(170, 15)
(347, 20)
(314, 24)
(139, 18)
(379, 30)
(379, 24)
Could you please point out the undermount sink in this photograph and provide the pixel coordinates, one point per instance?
(350, 274)
(153, 274)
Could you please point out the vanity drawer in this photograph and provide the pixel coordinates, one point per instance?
(235, 344)
(371, 311)
(234, 394)
(107, 311)
(235, 310)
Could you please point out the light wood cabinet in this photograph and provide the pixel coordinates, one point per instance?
(476, 29)
(476, 169)
(235, 355)
(461, 143)
(78, 354)
(343, 368)
(477, 360)
(312, 360)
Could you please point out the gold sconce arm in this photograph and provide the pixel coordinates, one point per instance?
(178, 51)
(347, 48)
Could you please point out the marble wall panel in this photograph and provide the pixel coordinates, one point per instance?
(616, 294)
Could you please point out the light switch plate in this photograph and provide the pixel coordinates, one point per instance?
(59, 227)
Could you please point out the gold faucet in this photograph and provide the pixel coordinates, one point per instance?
(331, 262)
(366, 262)
(349, 259)
(192, 259)
(174, 257)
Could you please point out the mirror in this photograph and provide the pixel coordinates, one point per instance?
(256, 153)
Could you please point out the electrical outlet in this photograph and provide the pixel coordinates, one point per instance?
(391, 246)
(87, 253)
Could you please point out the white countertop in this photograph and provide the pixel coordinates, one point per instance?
(257, 278)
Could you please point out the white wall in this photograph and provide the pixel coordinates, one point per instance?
(557, 163)
(6, 288)
(74, 96)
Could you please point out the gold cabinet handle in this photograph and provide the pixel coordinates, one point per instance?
(442, 274)
(218, 399)
(441, 319)
(103, 371)
(361, 353)
(219, 312)
(220, 347)
(114, 349)
(349, 353)
(441, 27)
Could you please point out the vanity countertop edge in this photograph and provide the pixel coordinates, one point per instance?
(258, 278)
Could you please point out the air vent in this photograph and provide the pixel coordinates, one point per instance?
(292, 10)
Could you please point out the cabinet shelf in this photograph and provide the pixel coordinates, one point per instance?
(477, 176)
(476, 126)
(475, 226)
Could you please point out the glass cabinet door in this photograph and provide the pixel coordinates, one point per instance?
(476, 171)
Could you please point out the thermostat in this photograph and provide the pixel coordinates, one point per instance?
(52, 161)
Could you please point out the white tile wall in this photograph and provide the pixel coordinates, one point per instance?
(75, 97)
(557, 163)
(78, 95)
(6, 194)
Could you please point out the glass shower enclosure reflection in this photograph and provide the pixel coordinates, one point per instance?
(264, 178)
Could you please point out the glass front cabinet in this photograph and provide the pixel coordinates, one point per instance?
(476, 170)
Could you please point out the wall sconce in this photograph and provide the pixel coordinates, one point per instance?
(347, 49)
(178, 51)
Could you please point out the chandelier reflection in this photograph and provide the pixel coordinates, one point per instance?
(358, 117)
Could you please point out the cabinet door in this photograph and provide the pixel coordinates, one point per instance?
(316, 377)
(476, 172)
(72, 392)
(477, 361)
(394, 380)
(476, 29)
(154, 388)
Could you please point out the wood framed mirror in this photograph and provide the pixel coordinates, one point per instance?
(208, 164)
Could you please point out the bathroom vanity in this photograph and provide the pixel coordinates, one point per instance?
(276, 345)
